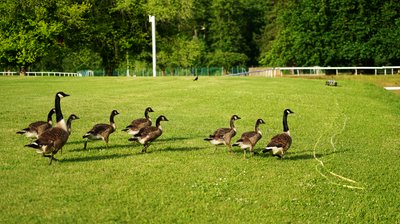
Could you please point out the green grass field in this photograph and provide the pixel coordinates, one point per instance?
(353, 130)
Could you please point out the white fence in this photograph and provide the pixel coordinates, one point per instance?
(41, 73)
(317, 70)
(266, 72)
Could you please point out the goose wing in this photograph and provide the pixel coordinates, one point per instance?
(283, 141)
(55, 137)
(147, 131)
(250, 136)
(139, 123)
(35, 125)
(221, 132)
(101, 129)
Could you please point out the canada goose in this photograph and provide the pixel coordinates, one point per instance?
(196, 78)
(250, 139)
(224, 135)
(148, 134)
(101, 131)
(140, 123)
(280, 143)
(52, 140)
(36, 128)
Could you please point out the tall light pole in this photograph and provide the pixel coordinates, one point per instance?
(152, 20)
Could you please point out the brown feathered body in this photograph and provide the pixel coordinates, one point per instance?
(101, 131)
(249, 139)
(148, 134)
(224, 135)
(35, 129)
(53, 139)
(140, 123)
(280, 143)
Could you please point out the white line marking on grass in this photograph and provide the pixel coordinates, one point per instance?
(392, 88)
(321, 163)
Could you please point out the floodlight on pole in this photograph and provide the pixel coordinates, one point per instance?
(152, 20)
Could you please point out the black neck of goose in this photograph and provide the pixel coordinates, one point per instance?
(232, 124)
(69, 124)
(146, 114)
(112, 118)
(49, 117)
(285, 124)
(59, 115)
(158, 122)
(257, 126)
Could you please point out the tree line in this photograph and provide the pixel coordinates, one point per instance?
(72, 35)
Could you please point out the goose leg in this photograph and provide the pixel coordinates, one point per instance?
(230, 148)
(106, 140)
(84, 146)
(51, 158)
(144, 150)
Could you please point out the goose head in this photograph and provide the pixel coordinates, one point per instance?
(235, 117)
(260, 121)
(149, 109)
(162, 118)
(73, 117)
(288, 111)
(61, 94)
(114, 112)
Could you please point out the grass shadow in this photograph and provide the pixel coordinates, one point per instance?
(172, 139)
(100, 147)
(94, 158)
(181, 149)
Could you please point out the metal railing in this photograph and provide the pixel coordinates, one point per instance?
(317, 70)
(41, 73)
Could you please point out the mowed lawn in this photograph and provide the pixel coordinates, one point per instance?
(343, 166)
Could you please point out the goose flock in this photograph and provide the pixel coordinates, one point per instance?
(49, 139)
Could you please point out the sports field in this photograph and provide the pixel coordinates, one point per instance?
(343, 165)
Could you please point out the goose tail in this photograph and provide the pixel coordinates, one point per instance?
(133, 139)
(34, 145)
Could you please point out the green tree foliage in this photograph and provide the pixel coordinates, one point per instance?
(28, 30)
(72, 35)
(34, 30)
(227, 40)
(334, 33)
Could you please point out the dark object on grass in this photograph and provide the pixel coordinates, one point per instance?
(331, 83)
